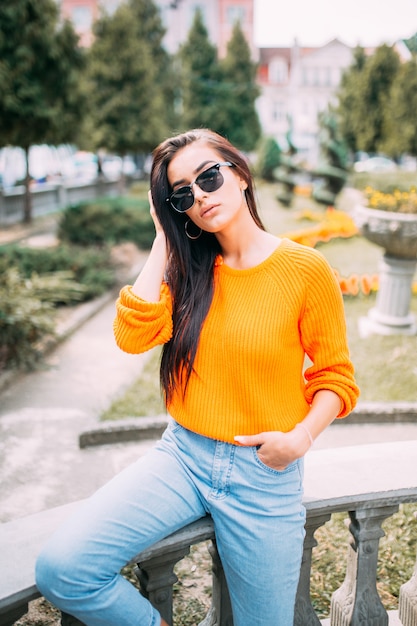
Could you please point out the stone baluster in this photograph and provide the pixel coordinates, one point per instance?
(157, 577)
(220, 613)
(408, 600)
(357, 602)
(304, 612)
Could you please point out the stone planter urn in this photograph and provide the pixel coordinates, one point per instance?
(397, 233)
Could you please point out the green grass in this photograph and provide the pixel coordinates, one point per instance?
(143, 398)
(383, 181)
(386, 366)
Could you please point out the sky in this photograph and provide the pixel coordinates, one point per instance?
(315, 22)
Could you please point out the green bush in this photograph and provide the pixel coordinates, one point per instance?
(25, 321)
(108, 221)
(91, 268)
(269, 158)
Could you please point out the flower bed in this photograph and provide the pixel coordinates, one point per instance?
(397, 201)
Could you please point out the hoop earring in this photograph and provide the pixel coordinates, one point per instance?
(188, 234)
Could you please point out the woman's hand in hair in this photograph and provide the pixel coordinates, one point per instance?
(148, 284)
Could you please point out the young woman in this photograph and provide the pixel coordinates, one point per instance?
(237, 311)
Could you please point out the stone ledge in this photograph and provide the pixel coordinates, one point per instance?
(122, 431)
(382, 413)
(142, 428)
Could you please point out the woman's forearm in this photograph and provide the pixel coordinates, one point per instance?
(324, 409)
(148, 284)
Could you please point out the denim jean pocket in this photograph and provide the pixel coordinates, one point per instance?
(292, 467)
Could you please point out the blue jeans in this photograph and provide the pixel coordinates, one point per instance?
(258, 518)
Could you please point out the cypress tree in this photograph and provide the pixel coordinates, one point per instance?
(40, 68)
(239, 120)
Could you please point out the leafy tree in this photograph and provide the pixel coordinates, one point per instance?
(40, 68)
(364, 96)
(148, 20)
(350, 100)
(200, 81)
(379, 75)
(127, 102)
(400, 117)
(238, 119)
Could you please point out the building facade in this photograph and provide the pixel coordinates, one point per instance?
(297, 84)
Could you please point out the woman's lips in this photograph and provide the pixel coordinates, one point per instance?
(207, 210)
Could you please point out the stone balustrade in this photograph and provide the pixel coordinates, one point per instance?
(368, 482)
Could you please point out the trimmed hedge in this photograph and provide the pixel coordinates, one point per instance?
(108, 221)
(92, 268)
(25, 321)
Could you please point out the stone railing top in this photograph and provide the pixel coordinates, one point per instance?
(344, 478)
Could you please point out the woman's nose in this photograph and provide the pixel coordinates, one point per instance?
(198, 192)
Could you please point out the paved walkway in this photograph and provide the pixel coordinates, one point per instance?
(42, 414)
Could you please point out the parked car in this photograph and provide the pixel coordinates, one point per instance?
(375, 164)
(113, 166)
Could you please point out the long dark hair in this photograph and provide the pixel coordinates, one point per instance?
(190, 266)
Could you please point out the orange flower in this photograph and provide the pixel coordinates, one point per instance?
(343, 286)
(353, 285)
(366, 284)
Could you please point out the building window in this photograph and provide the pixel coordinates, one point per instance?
(235, 14)
(327, 76)
(278, 111)
(304, 76)
(278, 71)
(82, 18)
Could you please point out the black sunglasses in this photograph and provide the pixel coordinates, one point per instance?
(211, 179)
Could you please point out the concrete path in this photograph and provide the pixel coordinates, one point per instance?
(42, 414)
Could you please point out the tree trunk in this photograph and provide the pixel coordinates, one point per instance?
(27, 205)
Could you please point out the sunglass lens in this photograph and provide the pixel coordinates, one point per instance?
(183, 199)
(210, 180)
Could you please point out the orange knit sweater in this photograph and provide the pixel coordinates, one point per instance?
(250, 374)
